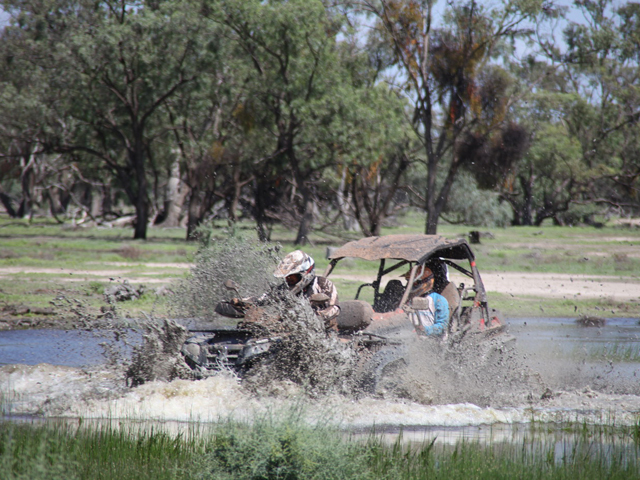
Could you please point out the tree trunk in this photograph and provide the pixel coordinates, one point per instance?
(527, 201)
(8, 204)
(350, 223)
(141, 201)
(193, 216)
(96, 202)
(307, 218)
(235, 195)
(431, 226)
(55, 203)
(107, 200)
(260, 211)
(173, 199)
(27, 181)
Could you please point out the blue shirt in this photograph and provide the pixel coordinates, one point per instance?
(439, 316)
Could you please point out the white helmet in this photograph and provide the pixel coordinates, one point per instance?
(298, 269)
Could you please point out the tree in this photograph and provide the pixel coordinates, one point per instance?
(441, 68)
(208, 124)
(602, 63)
(114, 64)
(293, 96)
(592, 96)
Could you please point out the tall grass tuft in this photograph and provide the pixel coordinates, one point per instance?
(285, 447)
(60, 450)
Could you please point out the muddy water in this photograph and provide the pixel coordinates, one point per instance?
(579, 374)
(71, 348)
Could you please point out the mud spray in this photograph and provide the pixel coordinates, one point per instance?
(448, 383)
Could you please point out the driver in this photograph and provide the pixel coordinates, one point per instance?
(432, 313)
(298, 270)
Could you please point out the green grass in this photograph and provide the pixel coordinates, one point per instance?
(288, 448)
(43, 244)
(62, 451)
(529, 306)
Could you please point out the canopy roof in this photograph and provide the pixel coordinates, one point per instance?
(414, 248)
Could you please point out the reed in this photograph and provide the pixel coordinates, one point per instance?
(61, 450)
(288, 448)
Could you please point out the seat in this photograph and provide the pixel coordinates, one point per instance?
(452, 295)
(390, 298)
(354, 315)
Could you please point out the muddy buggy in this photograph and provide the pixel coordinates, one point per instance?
(381, 329)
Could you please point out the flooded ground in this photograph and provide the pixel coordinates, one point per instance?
(583, 374)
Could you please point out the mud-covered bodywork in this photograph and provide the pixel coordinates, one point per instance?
(378, 332)
(395, 254)
(225, 349)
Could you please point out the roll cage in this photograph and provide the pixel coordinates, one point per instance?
(415, 251)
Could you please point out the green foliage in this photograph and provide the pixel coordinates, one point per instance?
(299, 112)
(284, 449)
(61, 451)
(471, 206)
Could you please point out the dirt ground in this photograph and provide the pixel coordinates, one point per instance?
(552, 285)
(557, 285)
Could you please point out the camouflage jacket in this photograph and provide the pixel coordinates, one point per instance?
(328, 310)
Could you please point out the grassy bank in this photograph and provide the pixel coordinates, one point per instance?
(288, 449)
(40, 261)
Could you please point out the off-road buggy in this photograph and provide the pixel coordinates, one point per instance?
(380, 329)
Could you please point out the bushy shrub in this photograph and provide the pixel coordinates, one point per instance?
(479, 208)
(284, 449)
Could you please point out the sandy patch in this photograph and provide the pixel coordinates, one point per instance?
(546, 285)
(555, 285)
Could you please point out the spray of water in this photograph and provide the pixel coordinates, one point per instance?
(482, 371)
(250, 265)
(307, 359)
(307, 356)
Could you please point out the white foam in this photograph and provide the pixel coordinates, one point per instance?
(63, 391)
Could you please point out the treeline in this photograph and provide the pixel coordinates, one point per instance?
(319, 114)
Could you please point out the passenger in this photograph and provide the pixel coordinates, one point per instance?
(432, 314)
(298, 270)
(440, 274)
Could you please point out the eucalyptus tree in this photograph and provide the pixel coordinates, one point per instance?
(295, 89)
(19, 143)
(375, 147)
(602, 63)
(583, 119)
(439, 70)
(114, 64)
(25, 113)
(207, 125)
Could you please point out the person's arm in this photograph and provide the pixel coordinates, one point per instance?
(441, 317)
(332, 309)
